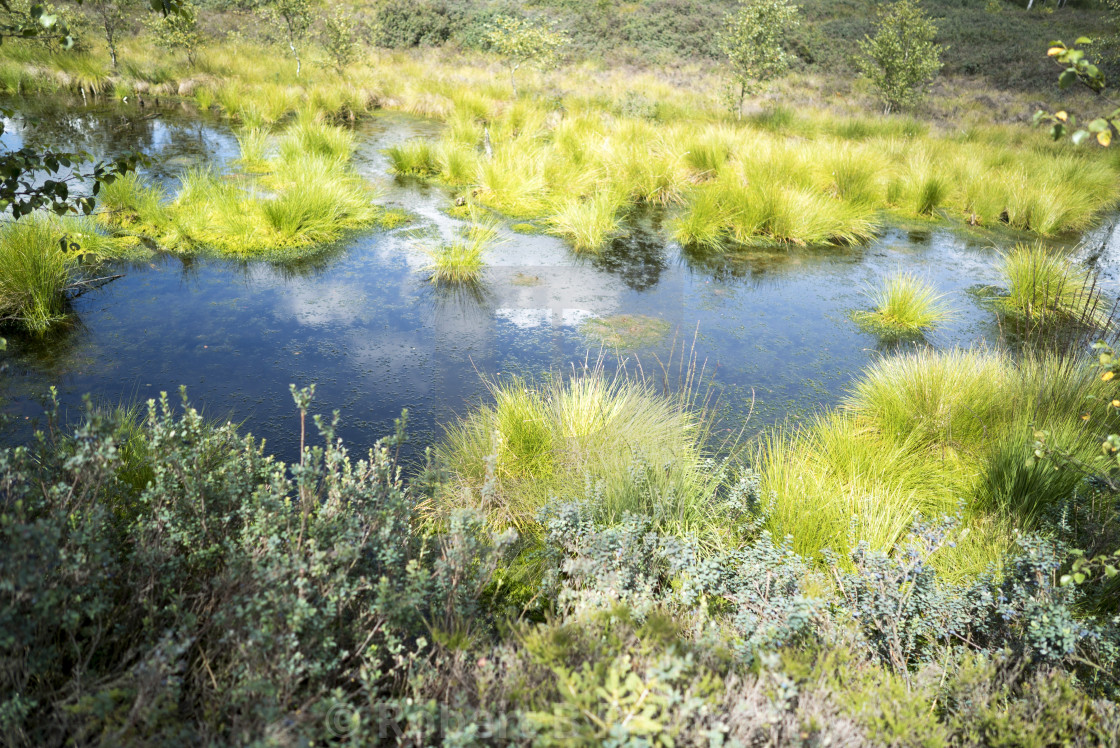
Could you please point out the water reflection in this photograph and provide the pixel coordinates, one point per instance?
(361, 319)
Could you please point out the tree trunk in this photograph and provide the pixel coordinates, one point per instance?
(295, 54)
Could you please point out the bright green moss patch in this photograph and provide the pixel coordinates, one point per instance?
(625, 330)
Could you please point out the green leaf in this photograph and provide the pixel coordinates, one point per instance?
(1079, 137)
(1083, 40)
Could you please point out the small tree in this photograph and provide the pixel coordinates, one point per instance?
(176, 31)
(902, 59)
(523, 42)
(292, 18)
(114, 17)
(752, 40)
(340, 41)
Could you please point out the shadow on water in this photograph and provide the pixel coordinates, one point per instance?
(361, 319)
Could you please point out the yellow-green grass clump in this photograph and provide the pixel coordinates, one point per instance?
(41, 257)
(578, 165)
(1044, 285)
(307, 194)
(924, 433)
(625, 330)
(904, 305)
(613, 440)
(462, 261)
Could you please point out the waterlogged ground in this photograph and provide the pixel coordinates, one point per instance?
(361, 321)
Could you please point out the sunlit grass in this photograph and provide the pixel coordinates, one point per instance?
(42, 258)
(462, 261)
(904, 305)
(34, 273)
(306, 194)
(609, 439)
(926, 434)
(579, 162)
(1045, 284)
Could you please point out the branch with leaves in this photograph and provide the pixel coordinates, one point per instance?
(1077, 68)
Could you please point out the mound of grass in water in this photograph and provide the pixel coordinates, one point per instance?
(1047, 285)
(904, 306)
(415, 157)
(305, 195)
(625, 330)
(923, 432)
(611, 439)
(41, 257)
(34, 274)
(462, 261)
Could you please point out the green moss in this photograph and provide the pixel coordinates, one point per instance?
(393, 218)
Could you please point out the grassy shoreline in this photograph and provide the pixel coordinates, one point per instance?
(578, 154)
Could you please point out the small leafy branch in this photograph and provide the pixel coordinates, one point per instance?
(1083, 569)
(1077, 68)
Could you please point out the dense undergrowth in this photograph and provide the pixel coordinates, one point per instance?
(169, 583)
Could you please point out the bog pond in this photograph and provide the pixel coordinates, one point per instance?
(361, 320)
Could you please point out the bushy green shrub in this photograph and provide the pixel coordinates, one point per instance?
(229, 598)
(166, 582)
(401, 24)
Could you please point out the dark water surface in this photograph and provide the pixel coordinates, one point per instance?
(362, 322)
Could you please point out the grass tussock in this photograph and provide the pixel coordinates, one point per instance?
(305, 194)
(42, 257)
(925, 434)
(462, 261)
(1046, 285)
(806, 178)
(612, 439)
(904, 305)
(34, 274)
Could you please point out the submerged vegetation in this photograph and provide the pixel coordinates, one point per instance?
(625, 330)
(905, 305)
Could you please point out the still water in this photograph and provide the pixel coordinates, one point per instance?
(362, 322)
